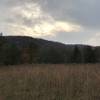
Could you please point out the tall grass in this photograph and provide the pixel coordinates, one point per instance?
(50, 82)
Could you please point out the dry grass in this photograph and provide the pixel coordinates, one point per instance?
(50, 82)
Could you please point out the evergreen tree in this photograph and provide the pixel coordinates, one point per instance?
(51, 55)
(76, 58)
(2, 42)
(10, 54)
(33, 52)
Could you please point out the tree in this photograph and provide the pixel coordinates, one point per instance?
(10, 54)
(2, 42)
(33, 52)
(76, 57)
(90, 55)
(51, 55)
(29, 53)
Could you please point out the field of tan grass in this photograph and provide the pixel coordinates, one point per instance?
(50, 82)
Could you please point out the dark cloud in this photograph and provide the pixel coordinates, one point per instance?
(83, 12)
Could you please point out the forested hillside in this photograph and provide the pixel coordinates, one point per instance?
(20, 50)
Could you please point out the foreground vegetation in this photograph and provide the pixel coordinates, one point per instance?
(50, 82)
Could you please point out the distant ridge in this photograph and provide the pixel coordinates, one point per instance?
(31, 39)
(24, 40)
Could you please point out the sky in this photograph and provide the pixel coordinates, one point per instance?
(66, 21)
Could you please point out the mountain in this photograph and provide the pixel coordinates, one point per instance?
(24, 41)
(22, 49)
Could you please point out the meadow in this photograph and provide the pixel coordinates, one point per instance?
(50, 82)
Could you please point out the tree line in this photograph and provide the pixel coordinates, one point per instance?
(11, 54)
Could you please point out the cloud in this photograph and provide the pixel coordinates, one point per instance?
(72, 37)
(95, 40)
(56, 26)
(82, 12)
(68, 21)
(27, 18)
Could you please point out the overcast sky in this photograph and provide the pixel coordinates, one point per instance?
(67, 21)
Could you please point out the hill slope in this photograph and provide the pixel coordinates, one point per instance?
(32, 50)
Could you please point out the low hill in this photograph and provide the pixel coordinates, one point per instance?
(22, 49)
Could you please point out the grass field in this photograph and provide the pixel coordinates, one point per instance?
(50, 82)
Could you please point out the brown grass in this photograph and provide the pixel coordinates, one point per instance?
(50, 82)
